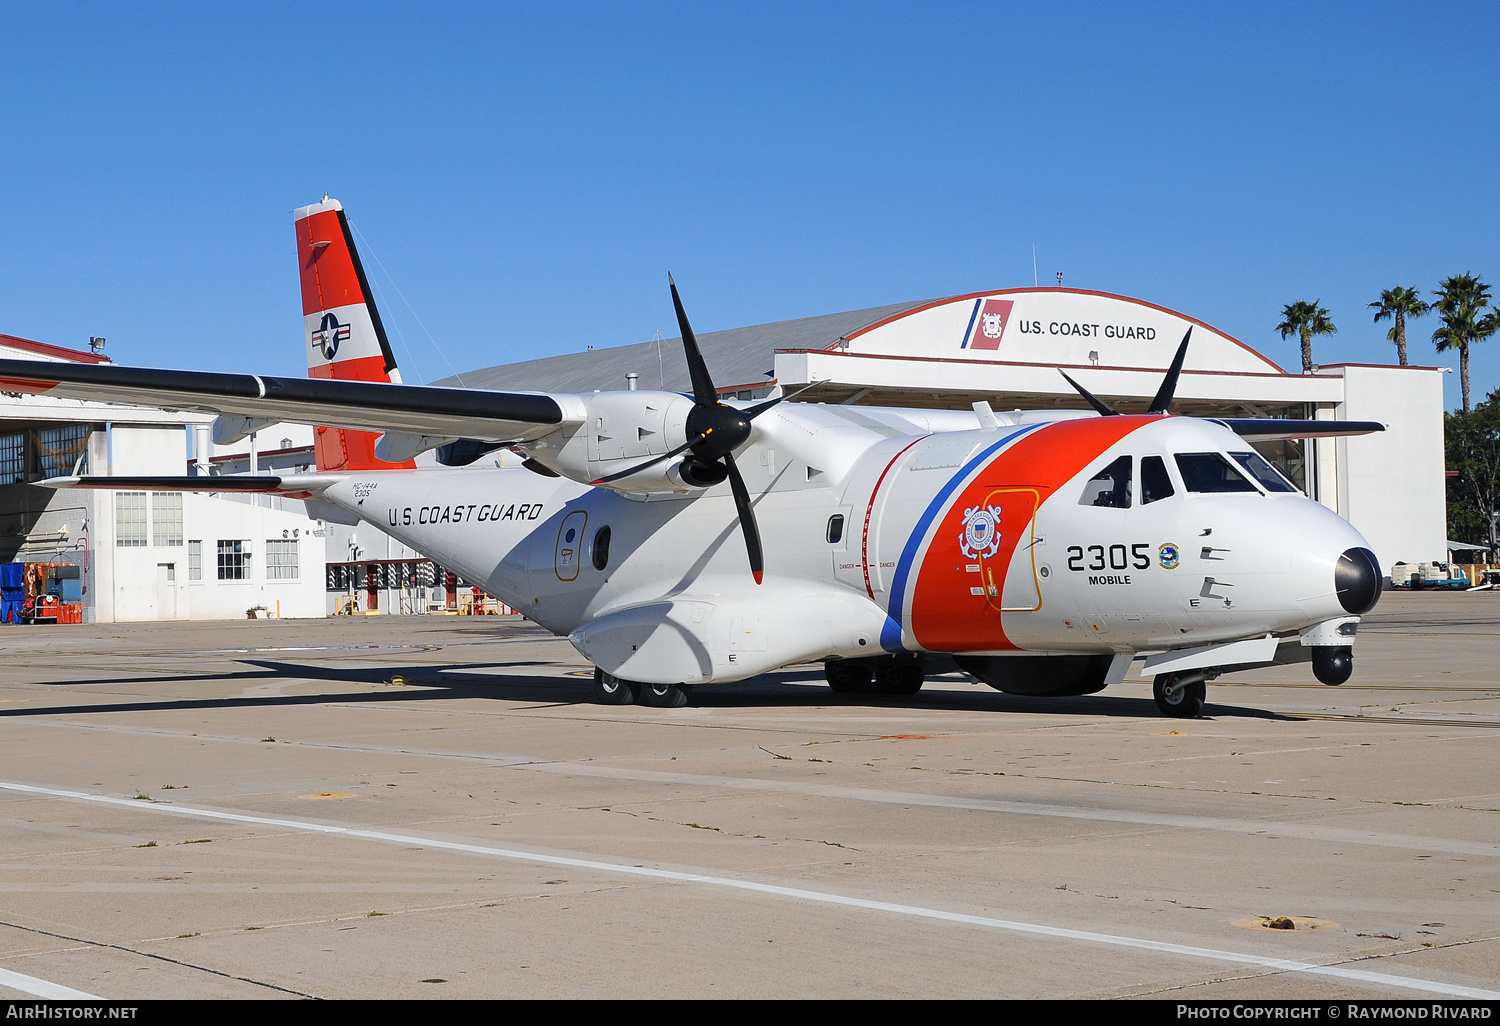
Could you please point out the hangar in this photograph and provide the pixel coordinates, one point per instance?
(1005, 348)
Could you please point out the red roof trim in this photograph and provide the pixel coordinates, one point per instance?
(1053, 288)
(43, 349)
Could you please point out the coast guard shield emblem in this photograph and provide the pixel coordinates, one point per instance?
(981, 534)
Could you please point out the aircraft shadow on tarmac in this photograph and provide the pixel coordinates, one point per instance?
(443, 682)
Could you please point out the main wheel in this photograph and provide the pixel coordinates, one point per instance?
(848, 676)
(611, 690)
(898, 678)
(666, 696)
(1181, 700)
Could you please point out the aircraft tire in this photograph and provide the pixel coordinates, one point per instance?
(898, 678)
(665, 696)
(848, 676)
(1189, 703)
(611, 690)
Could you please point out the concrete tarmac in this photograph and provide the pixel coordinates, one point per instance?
(433, 807)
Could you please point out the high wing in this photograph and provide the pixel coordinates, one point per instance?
(416, 410)
(1270, 430)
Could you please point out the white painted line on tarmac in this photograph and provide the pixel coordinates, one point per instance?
(776, 890)
(43, 988)
(1305, 831)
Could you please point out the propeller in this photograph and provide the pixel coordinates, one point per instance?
(1161, 404)
(1163, 401)
(714, 431)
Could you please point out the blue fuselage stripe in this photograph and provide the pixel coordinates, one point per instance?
(890, 635)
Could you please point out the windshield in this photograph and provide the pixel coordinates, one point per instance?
(1210, 472)
(1260, 468)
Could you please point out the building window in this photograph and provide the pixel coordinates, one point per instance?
(166, 518)
(195, 560)
(281, 559)
(234, 561)
(58, 448)
(130, 519)
(12, 458)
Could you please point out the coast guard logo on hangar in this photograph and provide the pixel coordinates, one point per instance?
(328, 336)
(981, 535)
(987, 323)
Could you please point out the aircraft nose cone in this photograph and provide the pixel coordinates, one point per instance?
(1357, 580)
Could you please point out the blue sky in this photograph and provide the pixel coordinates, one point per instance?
(528, 175)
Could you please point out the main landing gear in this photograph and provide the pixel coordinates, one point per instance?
(611, 690)
(1180, 694)
(882, 675)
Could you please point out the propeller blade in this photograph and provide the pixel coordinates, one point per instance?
(1163, 401)
(704, 393)
(651, 462)
(758, 409)
(1105, 410)
(747, 520)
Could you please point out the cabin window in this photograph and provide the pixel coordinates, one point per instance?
(1210, 472)
(1110, 487)
(835, 529)
(1260, 468)
(1155, 482)
(600, 553)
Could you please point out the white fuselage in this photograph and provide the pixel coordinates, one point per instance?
(910, 566)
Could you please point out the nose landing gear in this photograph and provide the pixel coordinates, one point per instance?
(1180, 694)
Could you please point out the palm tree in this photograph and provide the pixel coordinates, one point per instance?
(1400, 303)
(1306, 320)
(1461, 301)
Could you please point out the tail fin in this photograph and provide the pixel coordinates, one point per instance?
(345, 339)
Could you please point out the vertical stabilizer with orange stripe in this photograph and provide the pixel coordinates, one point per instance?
(345, 339)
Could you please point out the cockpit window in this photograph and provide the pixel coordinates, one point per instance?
(1210, 472)
(1109, 487)
(1260, 468)
(1155, 482)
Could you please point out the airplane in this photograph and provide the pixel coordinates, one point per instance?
(1040, 552)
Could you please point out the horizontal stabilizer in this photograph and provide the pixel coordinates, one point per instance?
(363, 405)
(1268, 429)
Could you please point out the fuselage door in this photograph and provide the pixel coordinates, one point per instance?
(569, 544)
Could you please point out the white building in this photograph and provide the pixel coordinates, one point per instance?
(144, 555)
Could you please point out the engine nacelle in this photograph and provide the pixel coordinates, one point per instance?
(621, 430)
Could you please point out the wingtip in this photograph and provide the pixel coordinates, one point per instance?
(758, 575)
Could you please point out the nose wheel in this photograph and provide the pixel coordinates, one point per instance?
(1179, 695)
